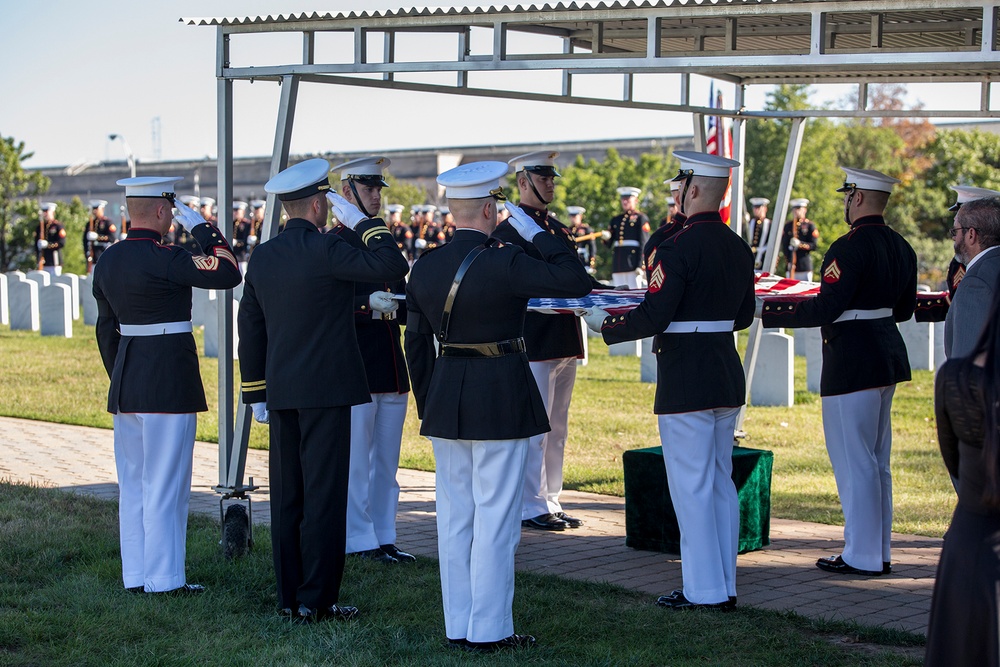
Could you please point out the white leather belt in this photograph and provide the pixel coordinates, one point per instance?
(874, 314)
(155, 329)
(717, 326)
(625, 244)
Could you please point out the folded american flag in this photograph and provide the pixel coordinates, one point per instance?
(621, 301)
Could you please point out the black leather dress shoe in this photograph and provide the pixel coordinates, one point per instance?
(458, 643)
(401, 556)
(136, 589)
(572, 522)
(886, 567)
(512, 642)
(335, 612)
(544, 522)
(676, 600)
(376, 555)
(186, 589)
(837, 565)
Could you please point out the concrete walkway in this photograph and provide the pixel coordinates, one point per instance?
(781, 576)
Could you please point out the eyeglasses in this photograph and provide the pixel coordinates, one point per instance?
(955, 230)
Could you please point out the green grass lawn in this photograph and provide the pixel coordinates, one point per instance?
(62, 604)
(63, 380)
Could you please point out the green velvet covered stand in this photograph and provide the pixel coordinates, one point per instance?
(650, 521)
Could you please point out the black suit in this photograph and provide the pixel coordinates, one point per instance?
(299, 353)
(628, 236)
(493, 398)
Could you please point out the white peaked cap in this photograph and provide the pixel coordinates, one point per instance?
(47, 206)
(474, 180)
(759, 201)
(542, 162)
(671, 201)
(149, 186)
(237, 205)
(799, 203)
(207, 201)
(867, 179)
(394, 208)
(703, 164)
(968, 193)
(189, 200)
(627, 191)
(300, 180)
(575, 210)
(98, 203)
(365, 166)
(258, 203)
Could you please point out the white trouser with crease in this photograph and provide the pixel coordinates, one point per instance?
(373, 492)
(543, 471)
(478, 503)
(858, 430)
(153, 455)
(698, 456)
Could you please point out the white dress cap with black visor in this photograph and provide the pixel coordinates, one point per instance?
(150, 187)
(301, 180)
(967, 193)
(475, 180)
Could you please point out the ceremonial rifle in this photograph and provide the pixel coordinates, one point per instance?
(89, 245)
(587, 237)
(795, 250)
(41, 235)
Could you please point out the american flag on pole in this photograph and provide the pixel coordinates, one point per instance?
(720, 142)
(617, 302)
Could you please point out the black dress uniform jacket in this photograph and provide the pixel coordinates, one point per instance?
(141, 281)
(547, 337)
(870, 267)
(632, 226)
(704, 272)
(485, 398)
(378, 338)
(808, 235)
(298, 346)
(241, 236)
(55, 234)
(105, 229)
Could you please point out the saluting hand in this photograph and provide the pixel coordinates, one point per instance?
(187, 216)
(522, 222)
(348, 214)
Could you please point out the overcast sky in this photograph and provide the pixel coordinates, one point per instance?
(74, 72)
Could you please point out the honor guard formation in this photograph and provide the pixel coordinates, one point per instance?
(492, 381)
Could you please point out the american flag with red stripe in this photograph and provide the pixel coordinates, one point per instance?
(622, 301)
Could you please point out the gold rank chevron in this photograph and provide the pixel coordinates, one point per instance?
(374, 232)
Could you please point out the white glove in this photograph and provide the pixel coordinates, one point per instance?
(251, 240)
(383, 302)
(42, 244)
(187, 216)
(595, 319)
(420, 244)
(522, 222)
(758, 306)
(348, 214)
(606, 235)
(123, 236)
(260, 412)
(794, 244)
(91, 236)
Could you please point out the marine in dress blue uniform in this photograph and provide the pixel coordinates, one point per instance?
(99, 233)
(668, 227)
(798, 239)
(759, 230)
(50, 237)
(627, 235)
(297, 332)
(376, 426)
(242, 229)
(586, 250)
(868, 284)
(478, 400)
(700, 291)
(553, 344)
(143, 293)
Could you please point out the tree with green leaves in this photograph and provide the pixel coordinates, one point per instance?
(16, 184)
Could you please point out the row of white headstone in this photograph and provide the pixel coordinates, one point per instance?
(46, 303)
(774, 375)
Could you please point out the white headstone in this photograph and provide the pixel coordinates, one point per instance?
(23, 297)
(4, 303)
(15, 274)
(647, 365)
(212, 331)
(800, 341)
(54, 310)
(939, 355)
(43, 278)
(203, 306)
(88, 304)
(774, 375)
(73, 281)
(814, 357)
(919, 339)
(630, 348)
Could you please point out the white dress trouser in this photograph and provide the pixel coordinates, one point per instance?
(543, 471)
(698, 455)
(373, 492)
(630, 278)
(153, 455)
(53, 270)
(858, 430)
(478, 498)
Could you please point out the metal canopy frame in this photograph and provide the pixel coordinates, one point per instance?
(743, 42)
